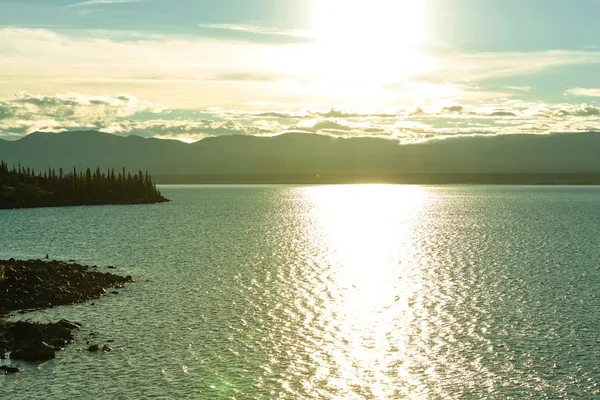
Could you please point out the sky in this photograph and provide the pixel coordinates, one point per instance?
(400, 69)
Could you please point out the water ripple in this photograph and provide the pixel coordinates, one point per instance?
(341, 292)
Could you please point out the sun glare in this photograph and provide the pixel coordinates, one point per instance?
(367, 233)
(371, 40)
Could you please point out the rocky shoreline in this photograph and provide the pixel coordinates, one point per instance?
(36, 284)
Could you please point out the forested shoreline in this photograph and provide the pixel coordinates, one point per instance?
(26, 188)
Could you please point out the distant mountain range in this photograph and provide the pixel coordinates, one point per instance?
(307, 158)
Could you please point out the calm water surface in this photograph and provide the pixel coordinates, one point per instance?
(332, 292)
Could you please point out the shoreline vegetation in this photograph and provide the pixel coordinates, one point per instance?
(36, 284)
(24, 188)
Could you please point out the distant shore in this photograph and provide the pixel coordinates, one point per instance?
(383, 178)
(37, 284)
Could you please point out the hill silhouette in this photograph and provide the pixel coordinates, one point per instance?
(309, 158)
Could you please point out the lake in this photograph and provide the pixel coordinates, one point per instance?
(327, 292)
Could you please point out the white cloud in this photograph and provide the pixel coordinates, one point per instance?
(188, 72)
(182, 71)
(594, 92)
(25, 112)
(125, 114)
(519, 88)
(474, 67)
(259, 30)
(90, 3)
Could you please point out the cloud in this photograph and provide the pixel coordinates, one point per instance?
(90, 3)
(333, 113)
(74, 106)
(260, 33)
(456, 109)
(125, 114)
(246, 76)
(25, 112)
(502, 114)
(162, 128)
(595, 92)
(122, 114)
(582, 110)
(519, 88)
(476, 67)
(231, 72)
(328, 125)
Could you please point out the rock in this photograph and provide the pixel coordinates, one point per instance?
(58, 344)
(36, 351)
(69, 324)
(105, 348)
(114, 292)
(111, 267)
(25, 330)
(57, 331)
(94, 348)
(2, 353)
(38, 284)
(9, 370)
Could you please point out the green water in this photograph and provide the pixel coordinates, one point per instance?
(331, 292)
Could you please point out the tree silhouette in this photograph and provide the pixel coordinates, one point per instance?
(21, 188)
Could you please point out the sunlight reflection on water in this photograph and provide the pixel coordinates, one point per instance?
(366, 234)
(328, 292)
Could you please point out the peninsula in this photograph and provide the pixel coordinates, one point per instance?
(25, 188)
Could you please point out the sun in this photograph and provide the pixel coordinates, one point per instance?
(383, 24)
(370, 40)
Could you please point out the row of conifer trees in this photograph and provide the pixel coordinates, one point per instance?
(22, 185)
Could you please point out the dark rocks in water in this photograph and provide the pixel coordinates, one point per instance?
(58, 331)
(22, 335)
(35, 284)
(114, 292)
(38, 284)
(26, 330)
(94, 348)
(111, 267)
(69, 324)
(9, 370)
(34, 351)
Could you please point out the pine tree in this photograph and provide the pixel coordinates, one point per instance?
(22, 187)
